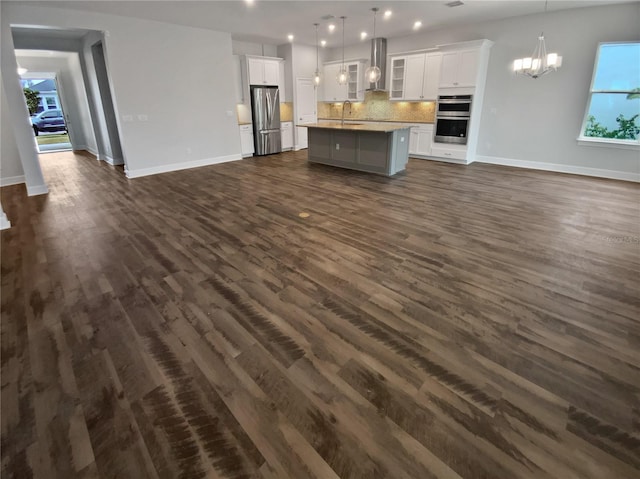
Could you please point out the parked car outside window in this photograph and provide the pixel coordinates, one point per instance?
(48, 120)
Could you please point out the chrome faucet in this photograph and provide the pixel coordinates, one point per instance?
(343, 105)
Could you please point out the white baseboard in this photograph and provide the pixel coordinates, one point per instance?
(559, 168)
(37, 190)
(112, 161)
(11, 180)
(181, 166)
(93, 151)
(5, 224)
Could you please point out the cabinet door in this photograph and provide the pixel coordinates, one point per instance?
(431, 76)
(256, 71)
(396, 87)
(287, 135)
(424, 141)
(413, 77)
(468, 68)
(353, 84)
(449, 70)
(246, 140)
(333, 91)
(271, 72)
(413, 141)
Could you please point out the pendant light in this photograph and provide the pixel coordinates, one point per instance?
(342, 74)
(539, 63)
(372, 74)
(316, 75)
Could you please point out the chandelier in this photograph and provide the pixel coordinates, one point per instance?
(541, 62)
(538, 64)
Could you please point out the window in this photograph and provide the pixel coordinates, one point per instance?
(51, 103)
(613, 112)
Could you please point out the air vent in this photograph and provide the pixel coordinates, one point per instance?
(455, 3)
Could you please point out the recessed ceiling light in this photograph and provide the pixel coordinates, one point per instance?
(249, 2)
(331, 27)
(323, 43)
(363, 35)
(417, 25)
(387, 14)
(290, 37)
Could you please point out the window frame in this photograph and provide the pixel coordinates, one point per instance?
(594, 140)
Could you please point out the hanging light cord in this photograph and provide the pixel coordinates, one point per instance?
(375, 12)
(317, 50)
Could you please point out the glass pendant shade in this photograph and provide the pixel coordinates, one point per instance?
(343, 76)
(372, 74)
(316, 77)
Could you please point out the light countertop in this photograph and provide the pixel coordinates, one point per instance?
(378, 127)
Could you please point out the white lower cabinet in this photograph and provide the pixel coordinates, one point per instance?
(246, 140)
(421, 139)
(286, 129)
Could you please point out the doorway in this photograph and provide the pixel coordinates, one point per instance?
(306, 109)
(45, 104)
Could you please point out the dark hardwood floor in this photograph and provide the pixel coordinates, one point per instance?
(473, 322)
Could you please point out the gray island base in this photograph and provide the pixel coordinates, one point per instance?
(374, 148)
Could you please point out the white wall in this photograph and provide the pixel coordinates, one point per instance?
(259, 49)
(176, 76)
(72, 92)
(16, 106)
(538, 121)
(11, 171)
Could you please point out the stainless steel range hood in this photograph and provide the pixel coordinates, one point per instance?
(379, 58)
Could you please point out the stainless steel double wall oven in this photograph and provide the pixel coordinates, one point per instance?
(452, 119)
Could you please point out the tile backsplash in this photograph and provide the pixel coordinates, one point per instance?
(377, 107)
(286, 111)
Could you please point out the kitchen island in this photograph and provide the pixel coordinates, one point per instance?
(376, 148)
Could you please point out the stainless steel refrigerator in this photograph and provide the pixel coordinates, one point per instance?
(265, 106)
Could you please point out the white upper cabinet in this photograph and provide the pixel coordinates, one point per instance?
(271, 72)
(415, 77)
(459, 68)
(432, 65)
(396, 77)
(353, 90)
(333, 91)
(355, 85)
(263, 71)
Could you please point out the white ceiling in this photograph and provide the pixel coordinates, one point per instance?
(266, 21)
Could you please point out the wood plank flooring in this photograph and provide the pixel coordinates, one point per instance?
(454, 322)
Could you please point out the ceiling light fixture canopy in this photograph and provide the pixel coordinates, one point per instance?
(342, 74)
(540, 62)
(372, 74)
(316, 75)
